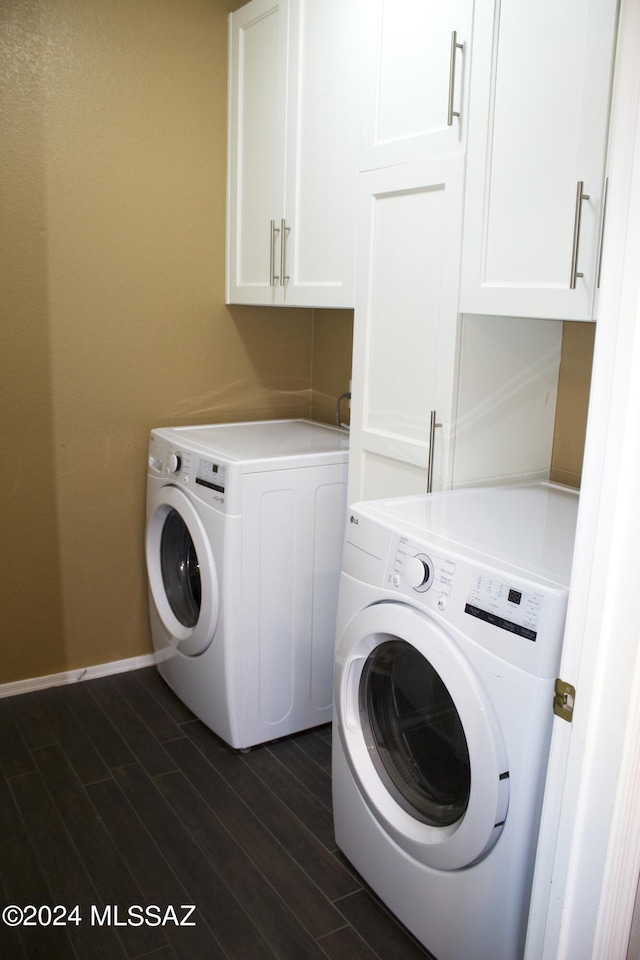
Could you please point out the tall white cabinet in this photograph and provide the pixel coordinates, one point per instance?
(414, 107)
(294, 84)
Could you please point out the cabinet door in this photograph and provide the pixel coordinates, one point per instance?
(293, 137)
(405, 334)
(541, 79)
(257, 102)
(321, 161)
(415, 80)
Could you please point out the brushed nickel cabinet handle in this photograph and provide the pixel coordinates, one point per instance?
(451, 113)
(284, 230)
(580, 196)
(273, 276)
(432, 443)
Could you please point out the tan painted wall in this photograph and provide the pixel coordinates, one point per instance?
(574, 384)
(113, 137)
(331, 366)
(30, 588)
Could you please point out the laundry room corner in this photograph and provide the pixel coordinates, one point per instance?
(113, 213)
(331, 365)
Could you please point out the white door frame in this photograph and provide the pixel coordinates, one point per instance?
(589, 854)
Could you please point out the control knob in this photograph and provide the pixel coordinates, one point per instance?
(417, 572)
(173, 463)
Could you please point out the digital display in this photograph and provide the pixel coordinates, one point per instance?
(515, 596)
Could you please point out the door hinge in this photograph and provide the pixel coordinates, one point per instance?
(564, 700)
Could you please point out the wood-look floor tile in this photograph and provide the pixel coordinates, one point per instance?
(346, 944)
(272, 859)
(293, 793)
(160, 690)
(71, 735)
(300, 765)
(98, 727)
(10, 942)
(225, 915)
(269, 912)
(151, 871)
(63, 869)
(110, 876)
(14, 755)
(317, 746)
(118, 794)
(24, 882)
(126, 721)
(282, 823)
(384, 935)
(31, 721)
(151, 712)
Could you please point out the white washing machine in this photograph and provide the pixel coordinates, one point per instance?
(450, 624)
(245, 523)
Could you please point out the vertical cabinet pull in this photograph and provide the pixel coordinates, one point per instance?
(451, 113)
(432, 444)
(284, 230)
(273, 276)
(580, 196)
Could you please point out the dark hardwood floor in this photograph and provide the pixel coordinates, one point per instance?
(115, 800)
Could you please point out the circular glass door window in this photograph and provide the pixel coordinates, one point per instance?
(180, 570)
(414, 734)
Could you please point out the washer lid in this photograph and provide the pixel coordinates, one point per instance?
(430, 761)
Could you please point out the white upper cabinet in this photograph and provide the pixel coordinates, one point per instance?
(257, 112)
(416, 80)
(292, 166)
(538, 124)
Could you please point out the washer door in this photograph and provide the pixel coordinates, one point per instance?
(182, 571)
(420, 736)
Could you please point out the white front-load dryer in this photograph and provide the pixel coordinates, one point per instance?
(450, 624)
(244, 531)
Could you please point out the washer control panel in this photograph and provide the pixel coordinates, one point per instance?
(411, 570)
(505, 605)
(510, 605)
(211, 475)
(186, 468)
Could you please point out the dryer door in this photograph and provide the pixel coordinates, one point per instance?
(420, 736)
(182, 571)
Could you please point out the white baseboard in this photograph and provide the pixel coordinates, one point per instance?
(74, 676)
